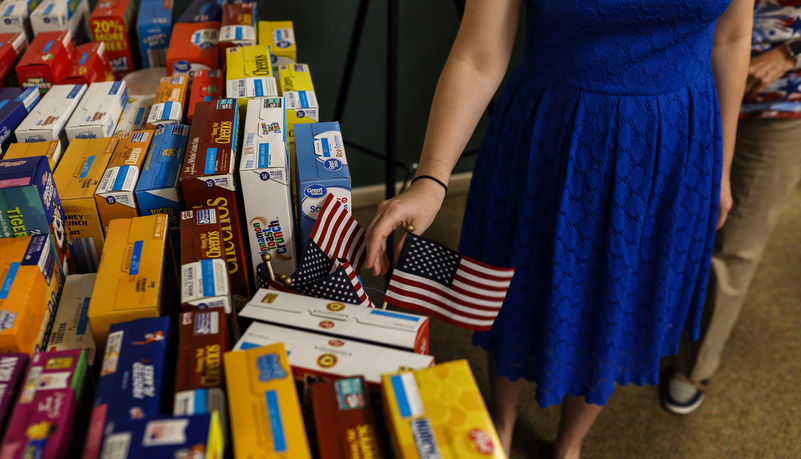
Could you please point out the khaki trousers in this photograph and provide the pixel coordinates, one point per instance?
(765, 170)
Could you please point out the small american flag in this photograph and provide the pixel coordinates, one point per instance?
(338, 234)
(433, 279)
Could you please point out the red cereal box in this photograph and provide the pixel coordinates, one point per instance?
(193, 46)
(12, 45)
(47, 61)
(238, 27)
(111, 24)
(207, 86)
(91, 65)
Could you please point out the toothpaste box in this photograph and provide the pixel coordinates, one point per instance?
(208, 180)
(134, 116)
(439, 411)
(203, 11)
(204, 271)
(51, 149)
(295, 84)
(90, 65)
(264, 171)
(321, 168)
(207, 86)
(193, 47)
(12, 45)
(280, 36)
(48, 119)
(266, 419)
(110, 23)
(158, 190)
(136, 277)
(344, 420)
(169, 105)
(189, 437)
(249, 72)
(115, 195)
(154, 27)
(15, 105)
(348, 321)
(12, 372)
(47, 60)
(60, 15)
(77, 178)
(15, 17)
(238, 26)
(98, 112)
(71, 328)
(132, 378)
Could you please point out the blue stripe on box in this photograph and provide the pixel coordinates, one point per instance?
(238, 33)
(9, 280)
(139, 115)
(304, 100)
(200, 401)
(84, 320)
(136, 257)
(207, 272)
(49, 44)
(395, 315)
(400, 396)
(206, 98)
(161, 176)
(259, 88)
(3, 102)
(86, 167)
(264, 155)
(9, 10)
(246, 346)
(49, 9)
(211, 161)
(326, 149)
(278, 35)
(276, 425)
(84, 57)
(167, 110)
(119, 180)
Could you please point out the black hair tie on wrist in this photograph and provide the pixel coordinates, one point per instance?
(431, 178)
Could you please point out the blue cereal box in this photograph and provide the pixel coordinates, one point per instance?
(154, 27)
(15, 104)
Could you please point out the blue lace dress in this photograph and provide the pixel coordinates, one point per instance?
(598, 179)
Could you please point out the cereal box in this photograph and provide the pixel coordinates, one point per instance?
(47, 60)
(60, 15)
(15, 17)
(249, 72)
(169, 106)
(193, 46)
(154, 27)
(12, 372)
(111, 23)
(207, 86)
(90, 65)
(49, 117)
(136, 275)
(15, 105)
(280, 36)
(115, 195)
(77, 178)
(98, 112)
(71, 328)
(295, 84)
(51, 149)
(204, 272)
(208, 180)
(238, 26)
(266, 420)
(12, 45)
(349, 321)
(134, 116)
(203, 11)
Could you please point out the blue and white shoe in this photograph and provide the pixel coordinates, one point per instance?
(683, 395)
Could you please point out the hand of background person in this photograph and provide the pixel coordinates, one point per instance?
(417, 205)
(766, 68)
(726, 201)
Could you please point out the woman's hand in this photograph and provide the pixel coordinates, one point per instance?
(417, 205)
(726, 201)
(764, 69)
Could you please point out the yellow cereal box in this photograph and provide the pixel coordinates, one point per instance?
(249, 73)
(438, 412)
(280, 36)
(266, 421)
(51, 149)
(295, 84)
(77, 178)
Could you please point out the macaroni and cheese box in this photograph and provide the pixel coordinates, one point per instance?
(264, 171)
(115, 195)
(204, 272)
(98, 112)
(77, 178)
(238, 27)
(207, 86)
(344, 420)
(90, 65)
(47, 60)
(185, 437)
(295, 84)
(12, 45)
(377, 326)
(15, 105)
(249, 73)
(134, 116)
(439, 411)
(49, 117)
(280, 36)
(60, 15)
(12, 371)
(71, 328)
(154, 27)
(208, 180)
(51, 149)
(193, 46)
(169, 105)
(136, 277)
(15, 17)
(133, 377)
(321, 168)
(266, 419)
(203, 11)
(110, 23)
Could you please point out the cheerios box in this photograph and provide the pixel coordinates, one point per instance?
(90, 65)
(15, 17)
(51, 150)
(295, 85)
(169, 105)
(266, 419)
(134, 116)
(47, 60)
(154, 28)
(193, 46)
(77, 177)
(12, 372)
(249, 72)
(15, 105)
(280, 36)
(204, 271)
(98, 112)
(49, 117)
(349, 321)
(207, 86)
(111, 23)
(438, 412)
(238, 27)
(115, 195)
(71, 328)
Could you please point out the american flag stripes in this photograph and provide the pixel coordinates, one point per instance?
(338, 234)
(433, 279)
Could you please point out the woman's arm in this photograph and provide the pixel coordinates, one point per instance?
(730, 58)
(475, 68)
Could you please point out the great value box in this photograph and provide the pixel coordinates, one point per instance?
(264, 171)
(169, 105)
(266, 420)
(134, 116)
(207, 86)
(238, 26)
(77, 178)
(249, 72)
(115, 195)
(51, 149)
(203, 11)
(71, 328)
(15, 105)
(110, 23)
(49, 117)
(295, 84)
(322, 169)
(47, 60)
(439, 411)
(204, 271)
(12, 45)
(60, 15)
(154, 27)
(193, 46)
(136, 275)
(280, 36)
(15, 17)
(12, 372)
(98, 112)
(190, 437)
(132, 378)
(377, 326)
(208, 180)
(90, 65)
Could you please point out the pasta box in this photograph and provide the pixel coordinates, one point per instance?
(111, 23)
(238, 27)
(15, 17)
(169, 105)
(71, 328)
(204, 272)
(193, 46)
(60, 15)
(90, 65)
(98, 111)
(207, 86)
(280, 36)
(154, 28)
(134, 116)
(249, 72)
(15, 105)
(12, 372)
(51, 149)
(47, 60)
(49, 117)
(12, 45)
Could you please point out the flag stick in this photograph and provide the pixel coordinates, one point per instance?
(266, 257)
(384, 306)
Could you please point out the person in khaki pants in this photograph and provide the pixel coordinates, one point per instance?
(765, 170)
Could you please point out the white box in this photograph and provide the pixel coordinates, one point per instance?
(99, 111)
(15, 17)
(48, 118)
(377, 326)
(71, 328)
(58, 15)
(266, 186)
(134, 115)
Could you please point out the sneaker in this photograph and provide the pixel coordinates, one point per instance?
(683, 395)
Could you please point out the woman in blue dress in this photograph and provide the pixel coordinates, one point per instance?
(601, 179)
